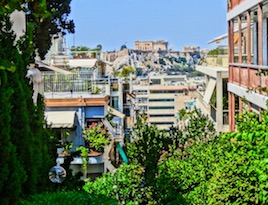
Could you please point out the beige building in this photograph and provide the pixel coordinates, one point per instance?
(191, 49)
(151, 45)
(212, 97)
(163, 97)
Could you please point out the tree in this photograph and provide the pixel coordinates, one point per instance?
(126, 185)
(199, 128)
(123, 47)
(48, 17)
(12, 175)
(23, 126)
(231, 169)
(147, 147)
(99, 47)
(126, 71)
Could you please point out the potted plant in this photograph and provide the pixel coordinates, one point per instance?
(98, 136)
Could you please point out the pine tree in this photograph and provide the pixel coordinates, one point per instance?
(11, 173)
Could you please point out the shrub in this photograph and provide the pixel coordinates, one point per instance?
(68, 198)
(126, 185)
(97, 135)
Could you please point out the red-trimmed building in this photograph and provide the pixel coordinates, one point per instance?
(248, 56)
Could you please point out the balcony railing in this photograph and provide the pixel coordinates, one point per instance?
(78, 82)
(249, 76)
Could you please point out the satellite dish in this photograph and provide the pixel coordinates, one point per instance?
(57, 174)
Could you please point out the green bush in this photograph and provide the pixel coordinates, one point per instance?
(68, 198)
(232, 169)
(126, 185)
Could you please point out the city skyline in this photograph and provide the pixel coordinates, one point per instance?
(117, 22)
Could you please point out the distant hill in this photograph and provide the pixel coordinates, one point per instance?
(151, 59)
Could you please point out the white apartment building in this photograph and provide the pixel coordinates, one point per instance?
(161, 97)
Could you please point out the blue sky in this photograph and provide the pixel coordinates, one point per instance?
(113, 23)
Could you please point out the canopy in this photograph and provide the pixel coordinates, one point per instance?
(60, 119)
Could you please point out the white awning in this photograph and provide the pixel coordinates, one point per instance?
(60, 119)
(209, 90)
(53, 68)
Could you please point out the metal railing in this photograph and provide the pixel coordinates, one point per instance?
(78, 82)
(249, 76)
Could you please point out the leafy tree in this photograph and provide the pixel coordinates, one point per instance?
(123, 47)
(214, 52)
(199, 128)
(26, 139)
(48, 17)
(12, 175)
(126, 71)
(126, 185)
(147, 146)
(69, 198)
(99, 47)
(231, 169)
(115, 72)
(97, 135)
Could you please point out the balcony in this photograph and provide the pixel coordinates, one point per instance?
(249, 76)
(74, 85)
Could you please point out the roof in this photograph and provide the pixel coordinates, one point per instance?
(224, 36)
(60, 119)
(53, 68)
(88, 63)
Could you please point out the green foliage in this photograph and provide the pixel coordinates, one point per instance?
(84, 154)
(48, 17)
(231, 169)
(123, 47)
(69, 198)
(199, 128)
(126, 71)
(80, 48)
(126, 185)
(214, 52)
(147, 147)
(12, 175)
(26, 149)
(97, 135)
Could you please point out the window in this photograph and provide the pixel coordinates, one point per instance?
(114, 102)
(162, 108)
(166, 91)
(156, 81)
(163, 123)
(161, 100)
(162, 115)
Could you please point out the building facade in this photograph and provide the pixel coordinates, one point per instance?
(161, 98)
(248, 56)
(160, 45)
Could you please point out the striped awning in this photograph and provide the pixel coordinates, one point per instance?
(60, 119)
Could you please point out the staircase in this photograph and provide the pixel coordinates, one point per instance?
(107, 162)
(117, 134)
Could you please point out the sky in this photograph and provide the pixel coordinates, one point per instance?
(112, 23)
